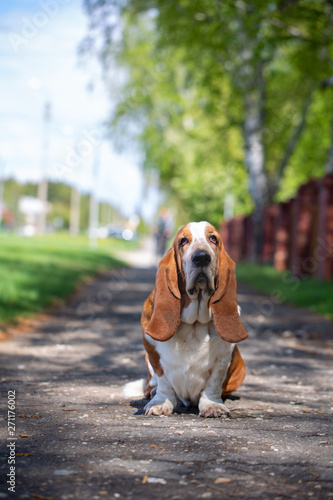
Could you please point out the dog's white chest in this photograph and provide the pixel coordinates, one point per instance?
(189, 357)
(197, 310)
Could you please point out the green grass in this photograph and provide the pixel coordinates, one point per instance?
(283, 287)
(36, 272)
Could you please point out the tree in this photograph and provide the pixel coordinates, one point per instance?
(267, 59)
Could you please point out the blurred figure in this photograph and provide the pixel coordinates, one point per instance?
(163, 231)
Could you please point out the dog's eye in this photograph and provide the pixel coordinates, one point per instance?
(183, 242)
(213, 239)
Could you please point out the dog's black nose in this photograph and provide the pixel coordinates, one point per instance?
(201, 258)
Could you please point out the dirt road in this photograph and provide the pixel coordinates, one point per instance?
(76, 436)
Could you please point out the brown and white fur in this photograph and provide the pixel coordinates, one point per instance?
(191, 325)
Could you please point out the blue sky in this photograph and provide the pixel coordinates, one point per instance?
(39, 63)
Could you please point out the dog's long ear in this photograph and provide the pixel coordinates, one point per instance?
(224, 302)
(165, 316)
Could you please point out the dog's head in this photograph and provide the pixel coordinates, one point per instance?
(196, 264)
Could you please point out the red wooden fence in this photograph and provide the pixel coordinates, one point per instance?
(297, 235)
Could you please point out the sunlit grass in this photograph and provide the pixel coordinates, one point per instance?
(308, 292)
(36, 272)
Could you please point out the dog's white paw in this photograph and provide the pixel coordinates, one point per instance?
(165, 408)
(211, 409)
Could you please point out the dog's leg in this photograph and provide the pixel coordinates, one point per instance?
(164, 400)
(151, 381)
(210, 403)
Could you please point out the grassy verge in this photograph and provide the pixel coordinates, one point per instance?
(313, 294)
(36, 272)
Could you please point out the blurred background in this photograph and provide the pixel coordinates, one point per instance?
(56, 160)
(127, 118)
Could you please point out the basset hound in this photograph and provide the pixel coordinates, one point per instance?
(191, 325)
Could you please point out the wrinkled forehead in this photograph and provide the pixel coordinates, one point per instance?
(196, 233)
(200, 231)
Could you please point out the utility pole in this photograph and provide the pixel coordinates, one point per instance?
(74, 223)
(2, 184)
(94, 205)
(105, 214)
(43, 184)
(2, 188)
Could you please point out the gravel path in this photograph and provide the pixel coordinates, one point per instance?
(76, 436)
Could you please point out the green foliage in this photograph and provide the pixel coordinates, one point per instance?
(183, 133)
(36, 272)
(59, 196)
(13, 192)
(186, 69)
(311, 154)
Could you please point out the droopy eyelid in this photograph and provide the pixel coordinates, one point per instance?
(214, 236)
(183, 241)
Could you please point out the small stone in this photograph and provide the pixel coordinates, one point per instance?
(64, 472)
(156, 480)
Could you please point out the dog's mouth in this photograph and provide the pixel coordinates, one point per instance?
(201, 279)
(202, 283)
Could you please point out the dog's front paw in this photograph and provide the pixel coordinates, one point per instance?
(164, 408)
(210, 409)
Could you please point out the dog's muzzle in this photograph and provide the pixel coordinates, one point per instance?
(201, 258)
(200, 273)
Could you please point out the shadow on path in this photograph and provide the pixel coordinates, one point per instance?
(83, 440)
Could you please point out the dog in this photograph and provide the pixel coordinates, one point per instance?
(191, 325)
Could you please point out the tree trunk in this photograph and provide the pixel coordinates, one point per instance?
(255, 157)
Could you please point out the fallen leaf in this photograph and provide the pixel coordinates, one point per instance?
(159, 447)
(313, 473)
(29, 416)
(68, 409)
(24, 454)
(144, 479)
(179, 432)
(24, 435)
(35, 495)
(221, 480)
(313, 412)
(126, 404)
